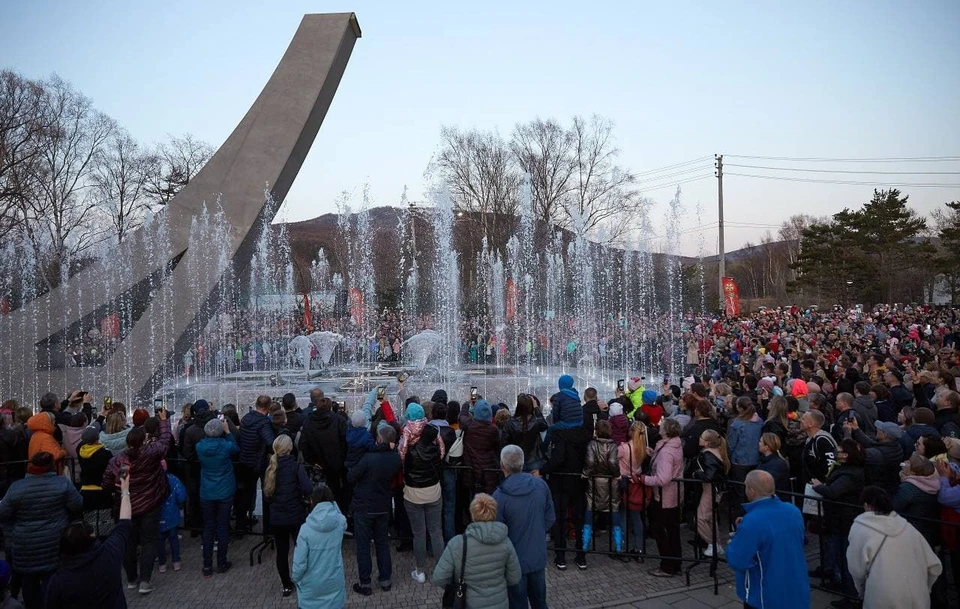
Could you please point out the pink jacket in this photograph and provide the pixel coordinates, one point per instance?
(629, 464)
(667, 465)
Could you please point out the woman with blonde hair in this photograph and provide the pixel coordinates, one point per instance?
(285, 484)
(712, 467)
(774, 463)
(633, 456)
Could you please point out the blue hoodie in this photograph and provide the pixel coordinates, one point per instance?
(768, 558)
(524, 504)
(359, 442)
(318, 560)
(170, 510)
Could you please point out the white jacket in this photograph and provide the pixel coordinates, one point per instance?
(903, 569)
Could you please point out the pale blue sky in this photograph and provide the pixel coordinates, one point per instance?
(680, 79)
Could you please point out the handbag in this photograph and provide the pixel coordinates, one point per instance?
(639, 495)
(456, 449)
(455, 594)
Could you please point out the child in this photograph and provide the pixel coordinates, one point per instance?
(170, 523)
(602, 470)
(619, 425)
(359, 439)
(566, 409)
(652, 406)
(711, 468)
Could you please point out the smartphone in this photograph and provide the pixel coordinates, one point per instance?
(474, 394)
(402, 377)
(666, 379)
(124, 471)
(341, 406)
(107, 402)
(157, 406)
(220, 416)
(620, 384)
(381, 392)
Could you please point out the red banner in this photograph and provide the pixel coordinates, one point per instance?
(110, 326)
(4, 306)
(731, 297)
(356, 306)
(511, 299)
(307, 316)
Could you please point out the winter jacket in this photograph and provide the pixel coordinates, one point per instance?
(902, 567)
(148, 481)
(116, 443)
(867, 409)
(691, 435)
(194, 433)
(667, 465)
(92, 579)
(34, 513)
(525, 505)
(422, 465)
(885, 411)
(42, 439)
(372, 477)
(947, 422)
(819, 454)
(295, 421)
(291, 485)
(481, 453)
(654, 411)
(779, 468)
(13, 448)
(565, 408)
(916, 500)
(743, 441)
(256, 440)
(908, 441)
(217, 479)
(767, 556)
(528, 439)
(94, 460)
(492, 565)
(318, 560)
(170, 510)
(592, 414)
(709, 468)
(843, 485)
(359, 442)
(602, 470)
(619, 428)
(448, 435)
(881, 467)
(71, 440)
(836, 430)
(568, 452)
(774, 426)
(323, 441)
(900, 396)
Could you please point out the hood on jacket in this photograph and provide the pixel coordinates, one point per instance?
(518, 485)
(865, 402)
(325, 517)
(439, 423)
(115, 442)
(87, 450)
(489, 533)
(928, 484)
(40, 422)
(891, 525)
(323, 419)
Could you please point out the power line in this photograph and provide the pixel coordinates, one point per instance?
(674, 166)
(848, 182)
(917, 159)
(660, 178)
(675, 184)
(926, 173)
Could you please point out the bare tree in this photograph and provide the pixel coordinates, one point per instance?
(121, 182)
(178, 161)
(602, 194)
(543, 149)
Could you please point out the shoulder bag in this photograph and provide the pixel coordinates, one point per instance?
(460, 598)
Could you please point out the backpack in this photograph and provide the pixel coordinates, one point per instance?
(455, 453)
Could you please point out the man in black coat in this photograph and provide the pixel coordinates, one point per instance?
(323, 443)
(189, 436)
(568, 451)
(295, 414)
(593, 410)
(256, 443)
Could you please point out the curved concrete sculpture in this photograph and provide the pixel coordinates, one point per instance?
(267, 149)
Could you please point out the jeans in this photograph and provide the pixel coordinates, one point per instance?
(835, 562)
(531, 589)
(174, 536)
(145, 533)
(35, 589)
(282, 536)
(449, 490)
(634, 521)
(373, 526)
(216, 518)
(425, 517)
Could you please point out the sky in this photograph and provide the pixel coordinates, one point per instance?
(681, 80)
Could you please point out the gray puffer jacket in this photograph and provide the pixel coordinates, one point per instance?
(492, 565)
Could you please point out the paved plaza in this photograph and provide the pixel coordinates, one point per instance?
(605, 583)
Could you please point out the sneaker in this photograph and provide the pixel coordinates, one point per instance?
(364, 590)
(581, 562)
(131, 585)
(145, 588)
(708, 552)
(207, 572)
(659, 573)
(418, 577)
(560, 564)
(162, 568)
(224, 567)
(287, 591)
(177, 565)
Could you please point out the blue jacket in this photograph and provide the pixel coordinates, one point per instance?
(33, 513)
(318, 561)
(256, 440)
(170, 510)
(767, 556)
(217, 480)
(372, 477)
(359, 442)
(743, 442)
(290, 485)
(525, 505)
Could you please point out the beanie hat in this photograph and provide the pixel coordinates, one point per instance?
(482, 411)
(358, 419)
(649, 396)
(439, 396)
(415, 412)
(5, 574)
(565, 382)
(634, 383)
(616, 409)
(200, 406)
(90, 435)
(799, 389)
(140, 416)
(213, 428)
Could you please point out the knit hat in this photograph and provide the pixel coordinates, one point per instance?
(439, 396)
(415, 412)
(565, 382)
(90, 435)
(616, 409)
(358, 419)
(213, 428)
(5, 574)
(634, 383)
(649, 396)
(482, 411)
(200, 406)
(799, 389)
(140, 416)
(891, 429)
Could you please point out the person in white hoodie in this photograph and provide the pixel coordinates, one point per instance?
(890, 562)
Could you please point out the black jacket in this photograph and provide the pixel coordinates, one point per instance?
(691, 435)
(709, 468)
(295, 421)
(591, 414)
(92, 578)
(779, 468)
(372, 478)
(818, 454)
(323, 441)
(842, 417)
(885, 411)
(947, 422)
(529, 440)
(920, 509)
(481, 453)
(92, 467)
(568, 454)
(290, 486)
(843, 486)
(775, 427)
(256, 440)
(421, 468)
(194, 433)
(13, 452)
(882, 466)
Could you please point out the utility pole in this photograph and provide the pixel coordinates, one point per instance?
(722, 253)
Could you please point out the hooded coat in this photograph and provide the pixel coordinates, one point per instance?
(897, 575)
(492, 565)
(881, 467)
(916, 500)
(318, 560)
(843, 486)
(92, 579)
(323, 441)
(217, 479)
(148, 481)
(867, 409)
(42, 439)
(481, 453)
(525, 505)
